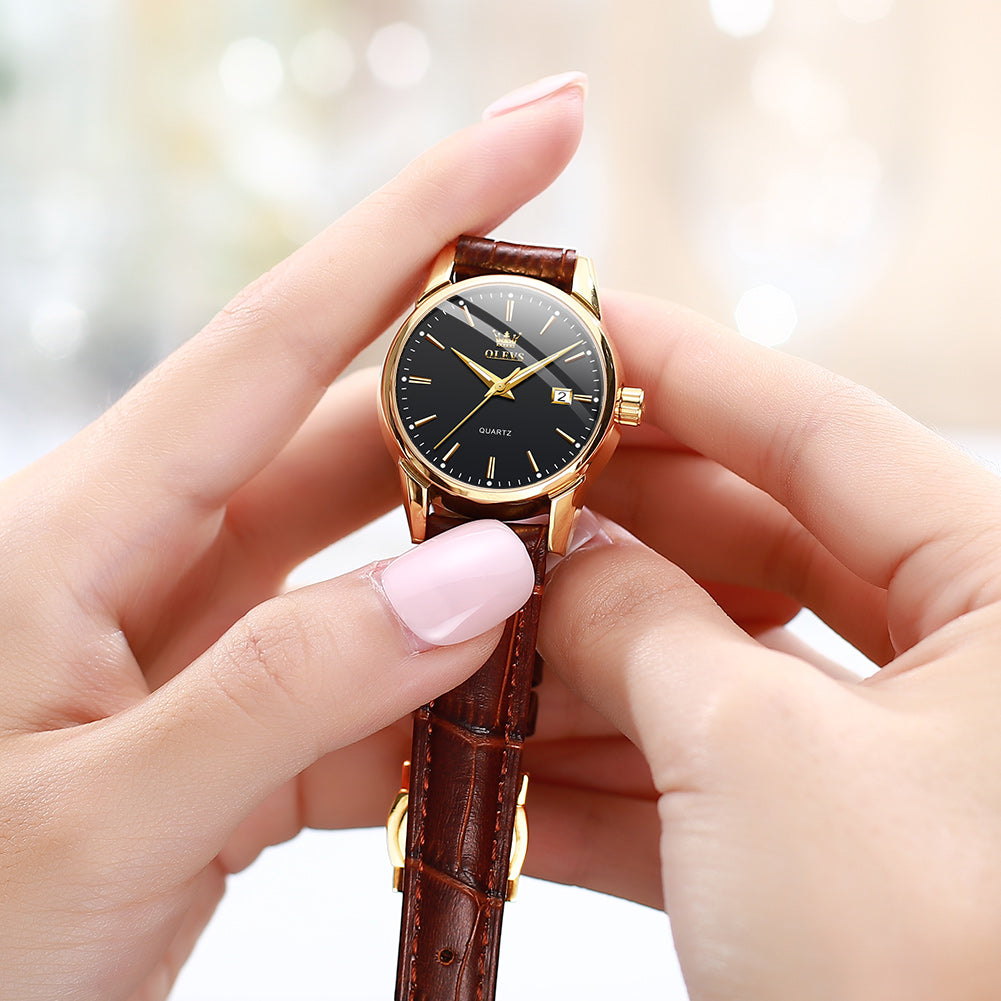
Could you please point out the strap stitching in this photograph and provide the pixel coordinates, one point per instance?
(418, 882)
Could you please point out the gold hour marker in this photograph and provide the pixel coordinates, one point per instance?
(419, 380)
(546, 327)
(451, 451)
(580, 354)
(531, 459)
(508, 310)
(490, 467)
(563, 434)
(436, 343)
(425, 420)
(465, 310)
(581, 398)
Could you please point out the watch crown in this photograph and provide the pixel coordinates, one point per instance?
(628, 406)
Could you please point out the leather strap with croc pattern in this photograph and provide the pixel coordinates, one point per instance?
(465, 772)
(464, 782)
(477, 256)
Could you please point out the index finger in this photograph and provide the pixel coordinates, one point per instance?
(892, 501)
(169, 455)
(262, 364)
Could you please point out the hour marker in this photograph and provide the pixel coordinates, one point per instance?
(465, 310)
(580, 354)
(451, 451)
(508, 310)
(425, 420)
(419, 380)
(436, 343)
(563, 434)
(546, 327)
(531, 459)
(581, 398)
(491, 462)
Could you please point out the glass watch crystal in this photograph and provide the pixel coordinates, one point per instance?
(501, 384)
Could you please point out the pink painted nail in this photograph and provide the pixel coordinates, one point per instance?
(460, 584)
(538, 91)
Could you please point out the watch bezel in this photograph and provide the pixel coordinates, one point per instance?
(512, 498)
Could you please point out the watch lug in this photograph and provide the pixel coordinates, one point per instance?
(416, 501)
(564, 508)
(585, 286)
(441, 271)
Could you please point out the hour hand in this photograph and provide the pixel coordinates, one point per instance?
(484, 374)
(519, 375)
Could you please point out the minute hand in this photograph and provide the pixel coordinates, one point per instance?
(519, 375)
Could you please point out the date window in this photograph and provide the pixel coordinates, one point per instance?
(562, 396)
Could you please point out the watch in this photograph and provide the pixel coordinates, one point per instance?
(500, 398)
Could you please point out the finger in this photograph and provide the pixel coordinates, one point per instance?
(751, 608)
(300, 503)
(226, 403)
(602, 841)
(303, 674)
(610, 763)
(719, 528)
(890, 500)
(636, 638)
(303, 501)
(206, 894)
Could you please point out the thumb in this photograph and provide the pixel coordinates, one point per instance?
(302, 675)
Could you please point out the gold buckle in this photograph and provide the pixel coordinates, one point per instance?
(396, 834)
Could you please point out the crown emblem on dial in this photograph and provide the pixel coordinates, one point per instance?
(505, 339)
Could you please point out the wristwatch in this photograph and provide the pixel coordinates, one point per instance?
(500, 399)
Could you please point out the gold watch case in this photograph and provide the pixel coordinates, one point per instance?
(562, 494)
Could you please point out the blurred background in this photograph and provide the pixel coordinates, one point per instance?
(820, 174)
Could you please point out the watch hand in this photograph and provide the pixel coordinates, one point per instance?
(519, 375)
(491, 392)
(483, 374)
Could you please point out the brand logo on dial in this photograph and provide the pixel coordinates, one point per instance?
(507, 344)
(504, 355)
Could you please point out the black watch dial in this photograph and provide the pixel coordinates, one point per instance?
(501, 385)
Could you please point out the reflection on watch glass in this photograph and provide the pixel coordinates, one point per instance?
(500, 386)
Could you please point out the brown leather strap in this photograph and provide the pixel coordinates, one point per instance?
(477, 256)
(465, 778)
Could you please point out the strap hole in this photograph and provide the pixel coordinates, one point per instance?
(446, 957)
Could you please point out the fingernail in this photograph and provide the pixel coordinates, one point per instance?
(538, 91)
(460, 584)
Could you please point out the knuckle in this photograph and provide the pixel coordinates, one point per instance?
(272, 305)
(259, 304)
(627, 602)
(833, 405)
(790, 559)
(266, 654)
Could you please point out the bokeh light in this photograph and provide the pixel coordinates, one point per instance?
(58, 329)
(865, 11)
(251, 71)
(322, 63)
(767, 315)
(741, 18)
(399, 55)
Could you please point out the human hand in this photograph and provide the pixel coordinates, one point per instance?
(819, 837)
(162, 704)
